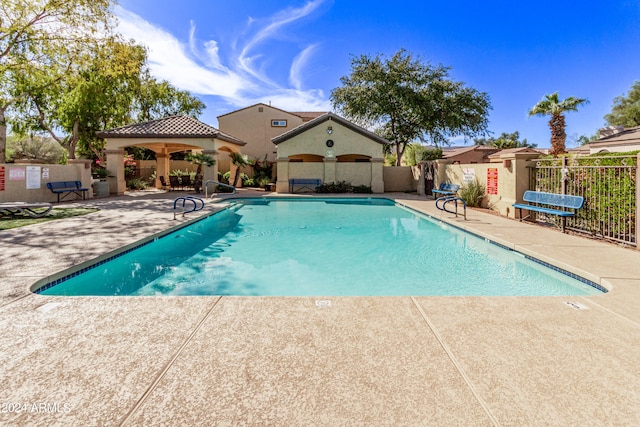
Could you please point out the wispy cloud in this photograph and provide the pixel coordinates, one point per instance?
(271, 29)
(298, 65)
(242, 80)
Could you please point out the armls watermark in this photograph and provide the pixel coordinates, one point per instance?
(35, 408)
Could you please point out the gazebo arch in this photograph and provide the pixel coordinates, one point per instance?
(165, 136)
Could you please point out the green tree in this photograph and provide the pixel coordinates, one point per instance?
(95, 95)
(405, 100)
(40, 41)
(626, 109)
(504, 141)
(112, 88)
(156, 100)
(551, 105)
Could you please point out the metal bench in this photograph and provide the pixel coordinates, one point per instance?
(67, 187)
(551, 202)
(445, 189)
(305, 183)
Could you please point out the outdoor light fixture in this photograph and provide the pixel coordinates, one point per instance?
(329, 130)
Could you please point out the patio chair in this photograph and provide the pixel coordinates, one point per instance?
(174, 182)
(185, 181)
(162, 181)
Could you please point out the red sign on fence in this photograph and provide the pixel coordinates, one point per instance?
(492, 181)
(1, 178)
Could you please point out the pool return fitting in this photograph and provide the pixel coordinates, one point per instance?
(441, 203)
(198, 204)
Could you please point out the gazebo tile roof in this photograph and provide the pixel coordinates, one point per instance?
(169, 127)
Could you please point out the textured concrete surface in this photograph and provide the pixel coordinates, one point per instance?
(139, 361)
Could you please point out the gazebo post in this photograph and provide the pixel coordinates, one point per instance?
(162, 164)
(115, 166)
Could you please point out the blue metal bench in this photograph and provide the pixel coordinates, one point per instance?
(551, 201)
(445, 189)
(67, 187)
(305, 183)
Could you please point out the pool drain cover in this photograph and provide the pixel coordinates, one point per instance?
(323, 303)
(576, 305)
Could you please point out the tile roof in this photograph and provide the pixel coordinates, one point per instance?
(170, 127)
(456, 151)
(499, 153)
(626, 135)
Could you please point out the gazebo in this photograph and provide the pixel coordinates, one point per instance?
(165, 136)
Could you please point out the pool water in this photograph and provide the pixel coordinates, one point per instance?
(323, 247)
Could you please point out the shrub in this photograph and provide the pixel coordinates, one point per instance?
(361, 189)
(137, 184)
(262, 169)
(472, 193)
(342, 187)
(262, 181)
(334, 187)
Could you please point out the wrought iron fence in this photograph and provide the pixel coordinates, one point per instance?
(608, 185)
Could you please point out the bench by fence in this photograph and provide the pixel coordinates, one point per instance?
(66, 188)
(445, 189)
(551, 201)
(304, 183)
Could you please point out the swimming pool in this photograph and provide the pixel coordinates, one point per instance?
(313, 246)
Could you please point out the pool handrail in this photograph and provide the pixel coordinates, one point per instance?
(446, 199)
(184, 199)
(211, 181)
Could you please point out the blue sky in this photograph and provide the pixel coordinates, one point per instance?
(232, 54)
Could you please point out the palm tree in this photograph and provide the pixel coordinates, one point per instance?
(238, 160)
(551, 105)
(199, 159)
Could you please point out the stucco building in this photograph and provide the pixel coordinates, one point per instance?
(257, 125)
(332, 149)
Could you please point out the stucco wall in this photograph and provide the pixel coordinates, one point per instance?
(306, 170)
(254, 127)
(513, 180)
(15, 190)
(354, 173)
(400, 178)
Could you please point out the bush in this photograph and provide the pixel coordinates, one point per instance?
(262, 169)
(472, 193)
(39, 148)
(334, 187)
(342, 187)
(361, 189)
(137, 184)
(262, 181)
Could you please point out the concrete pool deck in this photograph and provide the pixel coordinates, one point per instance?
(139, 361)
